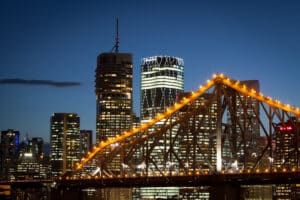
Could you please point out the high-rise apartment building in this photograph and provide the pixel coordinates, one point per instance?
(10, 140)
(64, 142)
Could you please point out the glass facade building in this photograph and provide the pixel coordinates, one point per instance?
(245, 142)
(161, 82)
(202, 132)
(65, 142)
(113, 97)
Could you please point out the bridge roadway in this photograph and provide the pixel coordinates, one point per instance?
(185, 181)
(223, 186)
(164, 181)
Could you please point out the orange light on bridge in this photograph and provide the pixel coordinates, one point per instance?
(159, 116)
(253, 91)
(284, 170)
(227, 80)
(169, 111)
(193, 95)
(185, 100)
(177, 106)
(143, 126)
(79, 167)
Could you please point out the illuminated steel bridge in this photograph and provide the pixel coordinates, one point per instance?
(226, 131)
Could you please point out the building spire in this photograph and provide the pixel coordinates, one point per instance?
(117, 37)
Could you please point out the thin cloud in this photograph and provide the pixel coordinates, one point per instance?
(38, 82)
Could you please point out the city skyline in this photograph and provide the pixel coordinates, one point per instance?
(59, 42)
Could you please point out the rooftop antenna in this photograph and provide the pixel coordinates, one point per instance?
(116, 46)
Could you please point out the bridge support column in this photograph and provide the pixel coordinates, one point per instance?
(225, 192)
(73, 194)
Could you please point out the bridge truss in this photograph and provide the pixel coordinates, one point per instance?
(223, 127)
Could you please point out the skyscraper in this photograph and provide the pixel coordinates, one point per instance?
(113, 96)
(113, 88)
(64, 142)
(202, 132)
(161, 83)
(286, 155)
(10, 140)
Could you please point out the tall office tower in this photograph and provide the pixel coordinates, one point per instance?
(86, 141)
(198, 144)
(201, 131)
(113, 96)
(161, 82)
(241, 147)
(9, 152)
(64, 142)
(286, 156)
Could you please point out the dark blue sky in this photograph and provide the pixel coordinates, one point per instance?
(60, 40)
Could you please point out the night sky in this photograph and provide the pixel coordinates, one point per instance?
(48, 50)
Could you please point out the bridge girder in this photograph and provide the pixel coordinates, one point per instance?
(217, 128)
